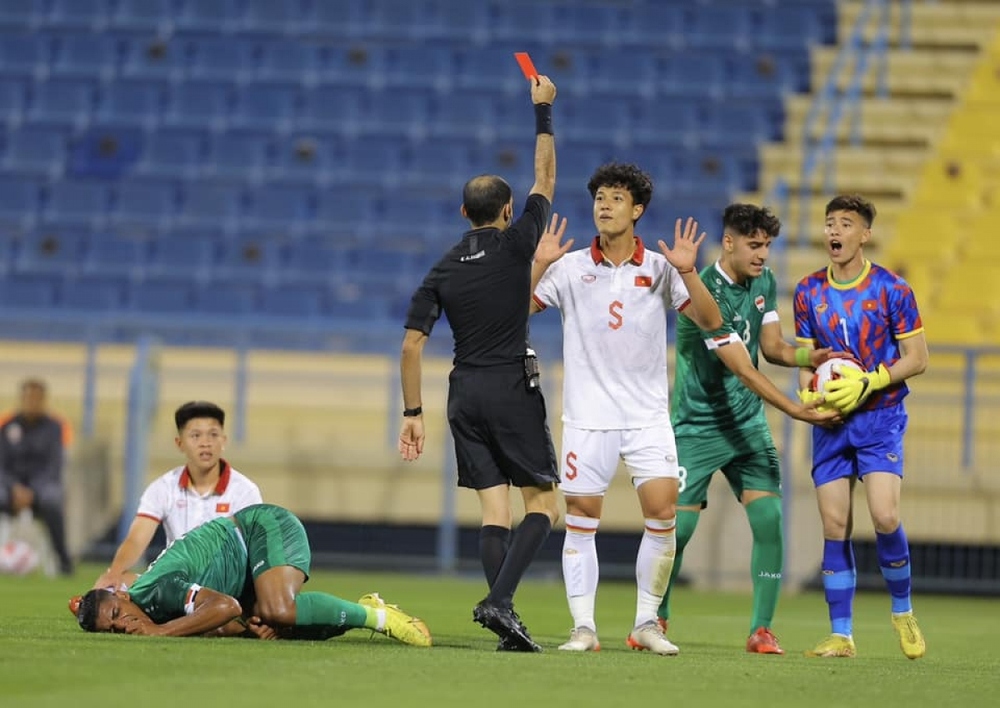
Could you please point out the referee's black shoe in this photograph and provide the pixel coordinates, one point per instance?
(504, 623)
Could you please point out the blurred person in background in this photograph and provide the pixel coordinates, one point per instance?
(32, 455)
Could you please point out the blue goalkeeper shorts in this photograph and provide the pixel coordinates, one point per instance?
(868, 441)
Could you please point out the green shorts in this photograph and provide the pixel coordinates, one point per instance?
(746, 466)
(274, 537)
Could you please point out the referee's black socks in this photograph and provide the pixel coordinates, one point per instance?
(528, 538)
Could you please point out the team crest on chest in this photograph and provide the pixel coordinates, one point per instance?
(759, 302)
(821, 308)
(588, 278)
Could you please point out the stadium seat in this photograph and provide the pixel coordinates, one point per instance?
(293, 300)
(110, 254)
(36, 151)
(316, 258)
(149, 203)
(376, 161)
(101, 294)
(627, 74)
(161, 294)
(24, 55)
(230, 299)
(692, 73)
(85, 56)
(153, 16)
(51, 251)
(19, 201)
(447, 164)
(199, 105)
(20, 14)
(295, 62)
(265, 107)
(154, 59)
(72, 203)
(62, 103)
(19, 292)
(250, 257)
(794, 27)
(268, 17)
(237, 156)
(332, 108)
(659, 25)
(715, 27)
(210, 205)
(359, 65)
(210, 16)
(12, 100)
(78, 14)
(220, 59)
(183, 251)
(280, 208)
(171, 153)
(136, 104)
(309, 159)
(399, 112)
(431, 67)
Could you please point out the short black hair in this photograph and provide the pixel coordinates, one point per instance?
(623, 174)
(484, 197)
(855, 203)
(90, 608)
(198, 409)
(747, 219)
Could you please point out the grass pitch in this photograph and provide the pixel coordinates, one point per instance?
(45, 660)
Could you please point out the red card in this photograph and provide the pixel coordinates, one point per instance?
(524, 61)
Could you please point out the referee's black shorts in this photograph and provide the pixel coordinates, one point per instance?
(500, 431)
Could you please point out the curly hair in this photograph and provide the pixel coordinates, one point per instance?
(855, 203)
(768, 222)
(627, 175)
(748, 219)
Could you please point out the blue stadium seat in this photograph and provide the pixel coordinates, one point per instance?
(19, 201)
(317, 257)
(269, 17)
(281, 208)
(374, 161)
(410, 20)
(161, 294)
(150, 203)
(293, 300)
(112, 254)
(131, 104)
(24, 54)
(210, 205)
(36, 151)
(77, 204)
(331, 108)
(20, 292)
(183, 251)
(12, 95)
(399, 112)
(717, 27)
(85, 56)
(250, 258)
(473, 114)
(61, 102)
(227, 60)
(210, 16)
(795, 27)
(433, 67)
(535, 24)
(658, 26)
(51, 251)
(237, 156)
(359, 65)
(233, 299)
(490, 67)
(79, 14)
(265, 107)
(620, 73)
(143, 15)
(307, 158)
(296, 62)
(93, 294)
(665, 120)
(446, 163)
(592, 24)
(156, 59)
(20, 14)
(692, 73)
(768, 73)
(197, 105)
(171, 153)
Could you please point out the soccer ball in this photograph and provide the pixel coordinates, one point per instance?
(829, 370)
(17, 558)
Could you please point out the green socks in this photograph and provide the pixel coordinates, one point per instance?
(766, 560)
(686, 523)
(312, 608)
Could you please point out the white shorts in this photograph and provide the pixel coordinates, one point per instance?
(590, 457)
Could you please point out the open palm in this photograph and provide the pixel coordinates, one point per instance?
(684, 255)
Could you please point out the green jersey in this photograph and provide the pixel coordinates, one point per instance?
(707, 398)
(213, 555)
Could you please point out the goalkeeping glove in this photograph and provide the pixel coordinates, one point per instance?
(854, 387)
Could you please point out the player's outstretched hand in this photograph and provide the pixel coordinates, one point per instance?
(543, 90)
(549, 249)
(411, 438)
(684, 255)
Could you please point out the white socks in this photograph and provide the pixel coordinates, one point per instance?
(652, 567)
(580, 569)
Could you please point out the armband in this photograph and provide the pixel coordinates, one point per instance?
(543, 119)
(802, 356)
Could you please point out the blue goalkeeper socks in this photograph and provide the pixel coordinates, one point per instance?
(839, 581)
(894, 561)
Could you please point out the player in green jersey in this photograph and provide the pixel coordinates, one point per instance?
(717, 409)
(239, 575)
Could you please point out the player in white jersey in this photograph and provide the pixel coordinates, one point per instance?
(206, 488)
(614, 298)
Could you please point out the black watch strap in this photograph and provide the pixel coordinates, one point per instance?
(412, 412)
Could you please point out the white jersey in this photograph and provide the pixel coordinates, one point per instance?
(172, 501)
(614, 335)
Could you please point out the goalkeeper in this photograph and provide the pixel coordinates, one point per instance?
(857, 306)
(239, 575)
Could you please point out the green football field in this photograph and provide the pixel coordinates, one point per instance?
(45, 660)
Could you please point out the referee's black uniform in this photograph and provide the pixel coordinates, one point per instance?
(482, 285)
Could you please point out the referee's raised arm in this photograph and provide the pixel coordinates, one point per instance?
(543, 93)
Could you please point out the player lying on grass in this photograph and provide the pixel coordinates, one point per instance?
(240, 575)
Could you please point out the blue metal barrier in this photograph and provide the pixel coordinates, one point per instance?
(142, 400)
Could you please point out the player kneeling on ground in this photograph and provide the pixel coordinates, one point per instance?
(240, 576)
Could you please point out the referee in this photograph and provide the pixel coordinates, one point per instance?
(495, 406)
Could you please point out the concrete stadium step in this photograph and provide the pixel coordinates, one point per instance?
(918, 72)
(958, 23)
(895, 120)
